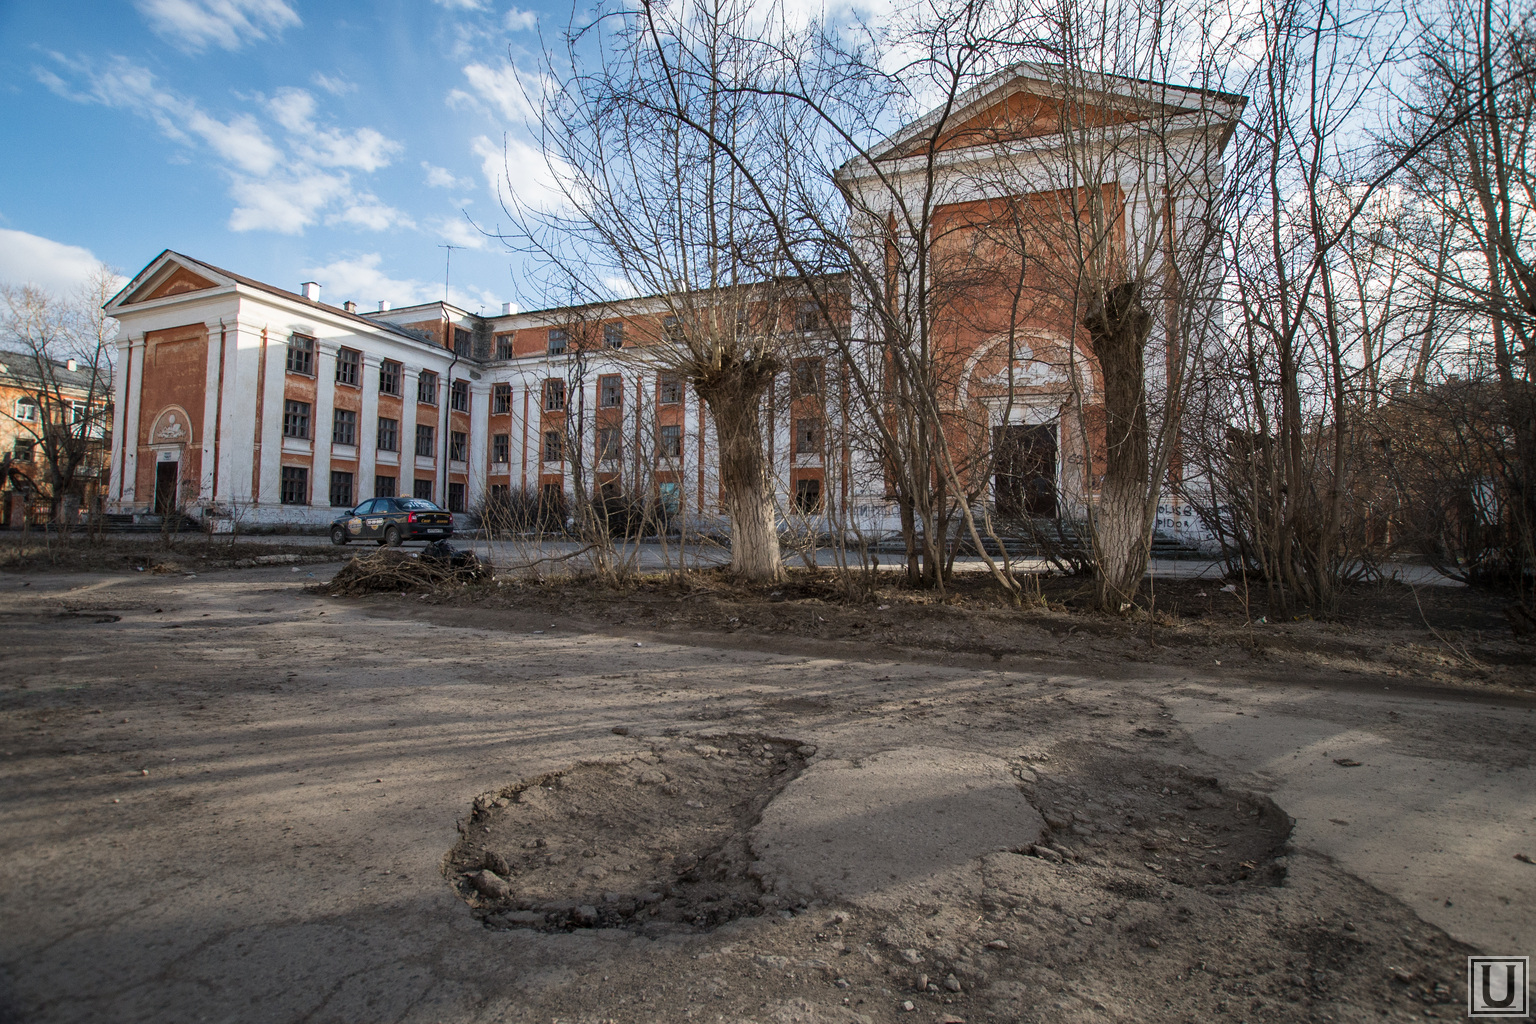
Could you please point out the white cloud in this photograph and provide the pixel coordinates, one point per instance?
(335, 85)
(461, 5)
(364, 148)
(442, 177)
(362, 279)
(282, 188)
(521, 178)
(194, 25)
(53, 266)
(505, 90)
(368, 211)
(517, 20)
(459, 232)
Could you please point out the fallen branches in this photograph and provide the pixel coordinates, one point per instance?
(396, 571)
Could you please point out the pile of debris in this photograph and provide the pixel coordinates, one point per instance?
(385, 570)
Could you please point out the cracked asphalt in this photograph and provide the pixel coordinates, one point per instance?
(225, 799)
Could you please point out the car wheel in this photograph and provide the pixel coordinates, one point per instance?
(338, 535)
(392, 537)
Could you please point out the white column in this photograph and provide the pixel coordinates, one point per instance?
(242, 364)
(272, 421)
(367, 429)
(210, 410)
(325, 405)
(407, 431)
(119, 414)
(479, 442)
(131, 419)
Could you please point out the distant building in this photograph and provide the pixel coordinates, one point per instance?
(38, 403)
(236, 397)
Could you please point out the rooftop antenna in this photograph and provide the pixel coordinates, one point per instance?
(448, 263)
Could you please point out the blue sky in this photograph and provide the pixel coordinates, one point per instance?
(289, 140)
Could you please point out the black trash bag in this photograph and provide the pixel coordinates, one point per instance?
(466, 565)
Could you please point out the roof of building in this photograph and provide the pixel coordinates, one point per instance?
(23, 368)
(251, 282)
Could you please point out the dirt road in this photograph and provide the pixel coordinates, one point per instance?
(227, 799)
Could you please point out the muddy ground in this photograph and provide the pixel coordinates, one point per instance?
(229, 797)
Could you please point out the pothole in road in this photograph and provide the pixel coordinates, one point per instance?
(656, 842)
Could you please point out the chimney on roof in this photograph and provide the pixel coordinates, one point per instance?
(311, 291)
(71, 365)
(349, 306)
(383, 305)
(506, 309)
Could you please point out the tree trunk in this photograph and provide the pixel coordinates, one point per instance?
(734, 393)
(1118, 331)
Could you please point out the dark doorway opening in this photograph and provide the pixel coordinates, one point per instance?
(165, 487)
(1024, 484)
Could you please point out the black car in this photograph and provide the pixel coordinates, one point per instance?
(393, 521)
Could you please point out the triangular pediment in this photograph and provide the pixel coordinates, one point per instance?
(1030, 101)
(169, 274)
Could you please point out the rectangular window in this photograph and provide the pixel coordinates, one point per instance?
(349, 367)
(670, 444)
(501, 398)
(389, 378)
(301, 355)
(554, 395)
(500, 492)
(23, 451)
(671, 329)
(503, 346)
(455, 497)
(25, 410)
(426, 388)
(295, 419)
(808, 317)
(610, 391)
(389, 434)
(460, 341)
(808, 435)
(458, 445)
(341, 490)
(423, 489)
(610, 444)
(613, 335)
(295, 489)
(557, 340)
(383, 487)
(344, 427)
(806, 377)
(425, 441)
(554, 446)
(501, 448)
(669, 389)
(458, 396)
(807, 495)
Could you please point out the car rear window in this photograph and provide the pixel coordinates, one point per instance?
(417, 505)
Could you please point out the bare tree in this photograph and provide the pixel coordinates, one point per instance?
(61, 363)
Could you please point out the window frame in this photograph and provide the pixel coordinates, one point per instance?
(553, 447)
(290, 475)
(458, 396)
(610, 444)
(504, 347)
(613, 334)
(418, 484)
(501, 449)
(501, 399)
(427, 432)
(391, 373)
(610, 385)
(807, 377)
(297, 424)
(557, 341)
(426, 383)
(394, 485)
(669, 441)
(458, 494)
(809, 442)
(669, 383)
(26, 400)
(304, 352)
(351, 482)
(458, 446)
(394, 435)
(347, 417)
(554, 394)
(351, 360)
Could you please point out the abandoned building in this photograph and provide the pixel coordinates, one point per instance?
(239, 399)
